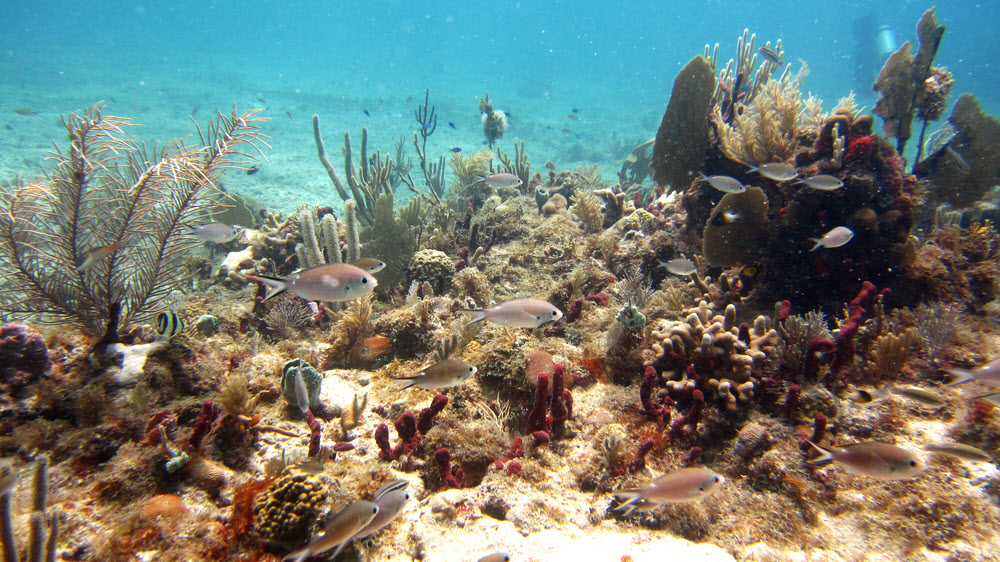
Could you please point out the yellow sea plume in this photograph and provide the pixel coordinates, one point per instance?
(767, 129)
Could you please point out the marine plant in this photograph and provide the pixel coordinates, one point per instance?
(368, 182)
(767, 129)
(907, 84)
(433, 172)
(519, 166)
(683, 134)
(40, 543)
(588, 210)
(123, 205)
(494, 122)
(389, 238)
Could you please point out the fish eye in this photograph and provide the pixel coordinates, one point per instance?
(364, 280)
(554, 313)
(913, 463)
(701, 489)
(716, 478)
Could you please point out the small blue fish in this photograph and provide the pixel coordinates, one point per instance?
(368, 114)
(455, 149)
(450, 124)
(575, 110)
(427, 125)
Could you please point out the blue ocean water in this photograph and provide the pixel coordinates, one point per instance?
(159, 63)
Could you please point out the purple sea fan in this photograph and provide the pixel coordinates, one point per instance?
(23, 349)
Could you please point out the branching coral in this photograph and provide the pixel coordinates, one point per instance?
(729, 357)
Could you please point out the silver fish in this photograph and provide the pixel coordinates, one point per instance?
(939, 138)
(771, 55)
(679, 266)
(684, 485)
(987, 374)
(333, 282)
(777, 171)
(338, 531)
(503, 180)
(958, 159)
(391, 486)
(96, 255)
(168, 325)
(823, 182)
(495, 557)
(390, 505)
(921, 395)
(443, 374)
(517, 313)
(371, 265)
(960, 451)
(301, 392)
(877, 460)
(723, 183)
(7, 481)
(834, 239)
(216, 232)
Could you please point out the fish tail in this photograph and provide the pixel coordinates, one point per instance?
(277, 285)
(702, 176)
(477, 314)
(630, 497)
(825, 457)
(961, 375)
(410, 381)
(818, 243)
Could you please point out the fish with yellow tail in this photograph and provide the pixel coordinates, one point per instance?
(338, 532)
(987, 374)
(517, 313)
(684, 485)
(333, 282)
(881, 461)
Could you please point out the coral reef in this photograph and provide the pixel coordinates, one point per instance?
(699, 329)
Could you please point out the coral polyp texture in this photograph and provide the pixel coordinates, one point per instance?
(550, 365)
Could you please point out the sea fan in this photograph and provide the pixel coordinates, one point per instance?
(109, 194)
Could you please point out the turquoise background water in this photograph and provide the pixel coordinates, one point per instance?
(158, 63)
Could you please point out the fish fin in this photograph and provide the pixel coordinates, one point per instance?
(337, 550)
(410, 381)
(825, 457)
(754, 168)
(478, 315)
(702, 176)
(818, 243)
(277, 285)
(962, 375)
(297, 556)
